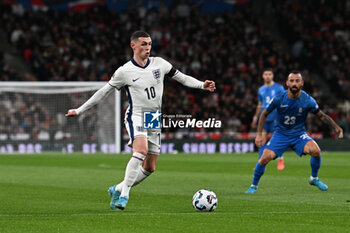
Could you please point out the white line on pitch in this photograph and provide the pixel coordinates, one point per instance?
(154, 214)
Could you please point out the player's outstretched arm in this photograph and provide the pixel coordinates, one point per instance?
(329, 121)
(99, 95)
(259, 141)
(189, 81)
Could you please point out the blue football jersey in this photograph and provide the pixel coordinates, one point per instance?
(266, 94)
(292, 113)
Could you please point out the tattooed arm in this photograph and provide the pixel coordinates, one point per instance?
(329, 121)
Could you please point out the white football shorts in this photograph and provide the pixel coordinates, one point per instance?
(134, 126)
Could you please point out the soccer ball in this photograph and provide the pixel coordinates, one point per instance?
(204, 201)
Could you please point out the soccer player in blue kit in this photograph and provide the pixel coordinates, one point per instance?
(292, 106)
(268, 91)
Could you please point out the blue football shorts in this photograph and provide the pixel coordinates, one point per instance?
(279, 143)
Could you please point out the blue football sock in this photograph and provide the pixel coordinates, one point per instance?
(315, 166)
(261, 150)
(258, 172)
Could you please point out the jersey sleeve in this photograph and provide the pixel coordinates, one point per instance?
(167, 68)
(272, 104)
(313, 106)
(117, 80)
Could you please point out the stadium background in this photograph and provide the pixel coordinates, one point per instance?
(227, 41)
(230, 42)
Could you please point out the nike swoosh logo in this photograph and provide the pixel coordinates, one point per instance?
(283, 106)
(134, 80)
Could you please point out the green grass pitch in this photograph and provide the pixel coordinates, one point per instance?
(68, 193)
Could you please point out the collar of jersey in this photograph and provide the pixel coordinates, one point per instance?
(143, 67)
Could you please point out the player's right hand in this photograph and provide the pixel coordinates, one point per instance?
(258, 141)
(71, 113)
(339, 132)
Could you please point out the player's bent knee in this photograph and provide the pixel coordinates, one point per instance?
(313, 149)
(264, 161)
(315, 152)
(267, 156)
(140, 145)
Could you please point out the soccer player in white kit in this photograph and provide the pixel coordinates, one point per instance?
(142, 77)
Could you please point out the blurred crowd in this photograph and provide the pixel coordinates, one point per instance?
(21, 114)
(27, 116)
(319, 33)
(230, 48)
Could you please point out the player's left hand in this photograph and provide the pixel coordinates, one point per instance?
(339, 132)
(71, 113)
(209, 85)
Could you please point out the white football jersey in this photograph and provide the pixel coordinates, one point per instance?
(143, 85)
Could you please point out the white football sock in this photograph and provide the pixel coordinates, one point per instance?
(143, 174)
(131, 172)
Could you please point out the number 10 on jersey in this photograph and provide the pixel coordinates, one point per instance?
(151, 93)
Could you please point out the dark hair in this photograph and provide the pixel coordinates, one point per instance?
(296, 72)
(265, 70)
(137, 34)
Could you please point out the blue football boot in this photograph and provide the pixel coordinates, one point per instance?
(121, 203)
(252, 189)
(114, 196)
(317, 182)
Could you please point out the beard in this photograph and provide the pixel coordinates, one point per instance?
(295, 90)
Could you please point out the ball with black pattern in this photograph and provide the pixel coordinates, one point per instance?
(204, 201)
